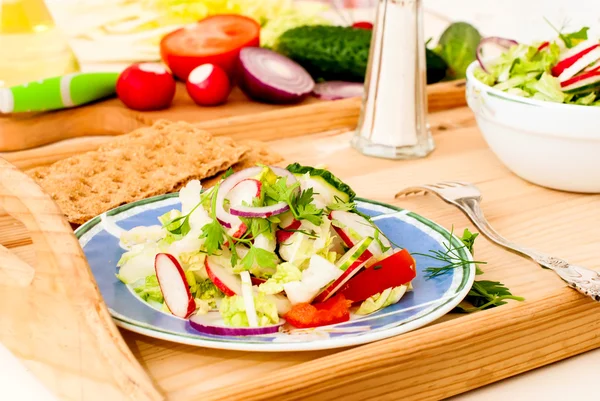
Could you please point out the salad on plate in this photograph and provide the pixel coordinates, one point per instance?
(562, 70)
(264, 247)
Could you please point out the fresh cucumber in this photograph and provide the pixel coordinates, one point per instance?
(340, 53)
(327, 185)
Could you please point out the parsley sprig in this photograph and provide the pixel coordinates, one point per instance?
(300, 202)
(484, 294)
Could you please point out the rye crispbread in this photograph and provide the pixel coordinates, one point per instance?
(149, 161)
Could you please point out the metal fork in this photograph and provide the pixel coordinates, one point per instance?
(467, 198)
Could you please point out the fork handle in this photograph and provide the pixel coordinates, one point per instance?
(582, 279)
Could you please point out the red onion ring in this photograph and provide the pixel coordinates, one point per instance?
(503, 43)
(211, 323)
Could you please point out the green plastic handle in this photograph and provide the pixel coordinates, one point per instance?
(58, 92)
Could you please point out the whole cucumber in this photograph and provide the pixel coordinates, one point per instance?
(340, 53)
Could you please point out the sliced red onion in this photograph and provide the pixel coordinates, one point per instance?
(493, 41)
(212, 323)
(335, 90)
(271, 77)
(262, 211)
(231, 219)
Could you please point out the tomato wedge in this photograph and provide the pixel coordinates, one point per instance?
(334, 310)
(393, 271)
(215, 40)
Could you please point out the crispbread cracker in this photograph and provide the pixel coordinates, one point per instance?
(259, 154)
(149, 161)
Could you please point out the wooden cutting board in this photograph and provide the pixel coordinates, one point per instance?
(111, 117)
(453, 355)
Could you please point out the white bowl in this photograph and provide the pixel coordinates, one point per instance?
(550, 144)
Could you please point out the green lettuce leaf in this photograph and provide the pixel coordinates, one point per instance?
(379, 301)
(149, 289)
(233, 311)
(285, 273)
(547, 88)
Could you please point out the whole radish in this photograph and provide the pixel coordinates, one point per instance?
(208, 85)
(146, 86)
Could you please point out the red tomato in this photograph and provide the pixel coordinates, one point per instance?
(393, 271)
(146, 86)
(214, 40)
(334, 310)
(208, 85)
(362, 25)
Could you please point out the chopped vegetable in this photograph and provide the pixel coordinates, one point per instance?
(270, 77)
(212, 323)
(335, 90)
(208, 85)
(334, 310)
(393, 271)
(389, 296)
(146, 86)
(174, 286)
(362, 25)
(233, 311)
(213, 40)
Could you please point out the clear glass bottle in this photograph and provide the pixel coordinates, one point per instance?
(31, 46)
(393, 122)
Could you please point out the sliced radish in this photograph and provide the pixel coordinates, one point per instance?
(208, 85)
(244, 192)
(287, 219)
(257, 280)
(350, 264)
(585, 60)
(285, 233)
(593, 67)
(271, 77)
(362, 25)
(173, 285)
(586, 80)
(543, 46)
(248, 296)
(570, 66)
(212, 323)
(225, 280)
(353, 228)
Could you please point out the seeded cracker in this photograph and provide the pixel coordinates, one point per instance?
(147, 162)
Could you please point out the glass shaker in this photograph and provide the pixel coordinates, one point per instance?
(393, 122)
(31, 46)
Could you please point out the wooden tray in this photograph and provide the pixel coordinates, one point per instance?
(453, 355)
(111, 117)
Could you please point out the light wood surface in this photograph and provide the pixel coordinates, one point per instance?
(53, 317)
(111, 117)
(453, 355)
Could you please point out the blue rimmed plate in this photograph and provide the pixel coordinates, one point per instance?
(429, 300)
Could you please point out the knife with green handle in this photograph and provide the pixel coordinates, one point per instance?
(58, 92)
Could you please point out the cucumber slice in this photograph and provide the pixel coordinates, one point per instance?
(325, 183)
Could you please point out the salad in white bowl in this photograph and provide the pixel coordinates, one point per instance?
(263, 247)
(565, 69)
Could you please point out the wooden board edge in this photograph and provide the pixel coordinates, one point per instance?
(21, 132)
(441, 360)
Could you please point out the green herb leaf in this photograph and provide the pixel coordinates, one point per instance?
(468, 238)
(573, 38)
(378, 240)
(486, 294)
(215, 237)
(228, 173)
(262, 257)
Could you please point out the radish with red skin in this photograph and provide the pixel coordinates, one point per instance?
(270, 77)
(362, 25)
(146, 87)
(568, 62)
(543, 46)
(283, 235)
(208, 85)
(586, 80)
(173, 285)
(354, 225)
(229, 283)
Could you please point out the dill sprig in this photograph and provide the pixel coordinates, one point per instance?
(451, 256)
